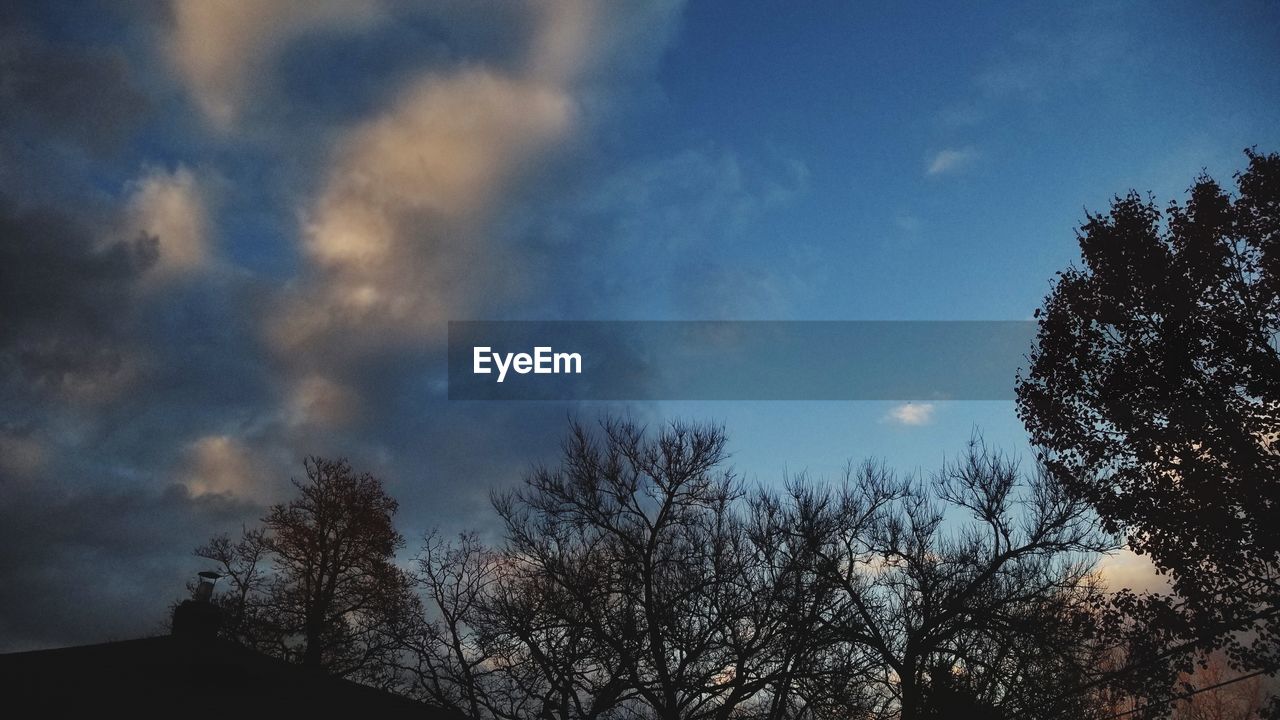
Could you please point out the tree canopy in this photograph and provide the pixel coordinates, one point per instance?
(1154, 393)
(317, 582)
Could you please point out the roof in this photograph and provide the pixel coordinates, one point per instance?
(179, 676)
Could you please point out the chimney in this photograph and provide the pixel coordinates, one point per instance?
(198, 618)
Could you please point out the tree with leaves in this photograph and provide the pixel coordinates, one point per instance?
(318, 583)
(1154, 394)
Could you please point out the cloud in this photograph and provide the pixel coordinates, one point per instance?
(22, 454)
(911, 414)
(316, 400)
(396, 239)
(1126, 569)
(1074, 49)
(156, 392)
(908, 223)
(699, 205)
(98, 565)
(223, 49)
(67, 305)
(1081, 45)
(172, 208)
(57, 90)
(401, 236)
(221, 464)
(951, 160)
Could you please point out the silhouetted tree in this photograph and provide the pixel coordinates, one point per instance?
(639, 579)
(975, 585)
(244, 564)
(642, 538)
(318, 583)
(450, 664)
(502, 642)
(1216, 697)
(1154, 393)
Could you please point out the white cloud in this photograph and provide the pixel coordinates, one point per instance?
(911, 414)
(398, 238)
(219, 464)
(172, 207)
(222, 48)
(951, 160)
(1126, 569)
(397, 235)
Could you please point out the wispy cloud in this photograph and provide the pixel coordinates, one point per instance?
(908, 223)
(221, 48)
(1060, 52)
(951, 160)
(686, 203)
(912, 414)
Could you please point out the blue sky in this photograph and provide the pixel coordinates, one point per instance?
(233, 234)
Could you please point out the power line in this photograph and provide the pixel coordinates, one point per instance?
(1206, 636)
(1186, 695)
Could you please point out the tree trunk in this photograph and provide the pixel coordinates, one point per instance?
(311, 656)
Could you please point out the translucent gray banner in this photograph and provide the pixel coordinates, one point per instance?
(736, 360)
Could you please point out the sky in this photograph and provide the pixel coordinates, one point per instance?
(232, 234)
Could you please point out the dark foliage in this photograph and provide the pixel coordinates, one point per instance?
(317, 583)
(1154, 394)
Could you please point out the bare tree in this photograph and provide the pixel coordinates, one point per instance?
(245, 566)
(974, 586)
(1215, 694)
(553, 664)
(503, 642)
(451, 666)
(639, 579)
(645, 538)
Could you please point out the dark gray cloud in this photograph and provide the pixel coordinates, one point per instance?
(65, 92)
(93, 542)
(65, 300)
(66, 286)
(79, 566)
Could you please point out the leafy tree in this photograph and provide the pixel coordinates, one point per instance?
(317, 583)
(1154, 394)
